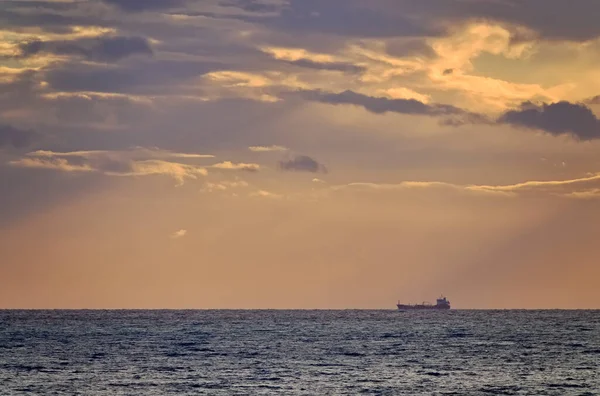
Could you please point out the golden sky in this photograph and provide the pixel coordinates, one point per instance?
(299, 153)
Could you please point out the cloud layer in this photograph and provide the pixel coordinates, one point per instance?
(102, 49)
(136, 162)
(314, 140)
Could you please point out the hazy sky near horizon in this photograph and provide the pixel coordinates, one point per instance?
(299, 153)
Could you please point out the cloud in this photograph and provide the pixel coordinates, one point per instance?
(330, 66)
(593, 193)
(302, 163)
(267, 148)
(73, 78)
(406, 185)
(179, 172)
(47, 16)
(60, 164)
(254, 5)
(584, 187)
(135, 162)
(103, 49)
(134, 153)
(413, 18)
(15, 137)
(548, 186)
(576, 20)
(381, 105)
(151, 76)
(238, 166)
(311, 60)
(556, 118)
(145, 5)
(266, 194)
(178, 234)
(344, 18)
(401, 47)
(593, 101)
(224, 185)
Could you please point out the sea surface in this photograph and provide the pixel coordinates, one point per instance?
(299, 353)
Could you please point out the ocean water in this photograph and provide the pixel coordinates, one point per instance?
(299, 353)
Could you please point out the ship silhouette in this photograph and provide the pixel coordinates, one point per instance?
(441, 303)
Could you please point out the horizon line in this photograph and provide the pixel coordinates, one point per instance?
(295, 309)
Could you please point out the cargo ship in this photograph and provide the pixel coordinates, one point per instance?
(441, 303)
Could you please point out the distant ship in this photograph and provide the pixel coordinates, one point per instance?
(441, 303)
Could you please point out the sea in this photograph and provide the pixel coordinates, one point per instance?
(299, 352)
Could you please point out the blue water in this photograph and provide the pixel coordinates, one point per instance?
(299, 353)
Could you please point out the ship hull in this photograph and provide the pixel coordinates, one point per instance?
(422, 307)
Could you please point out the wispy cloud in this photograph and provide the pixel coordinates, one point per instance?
(60, 164)
(228, 165)
(584, 187)
(179, 172)
(267, 148)
(179, 234)
(134, 153)
(135, 162)
(224, 185)
(266, 194)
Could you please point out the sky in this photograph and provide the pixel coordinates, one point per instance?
(299, 153)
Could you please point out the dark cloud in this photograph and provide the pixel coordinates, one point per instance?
(412, 18)
(104, 49)
(451, 115)
(251, 5)
(73, 79)
(15, 137)
(557, 119)
(145, 5)
(344, 18)
(348, 18)
(46, 19)
(354, 18)
(302, 163)
(380, 105)
(41, 4)
(150, 77)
